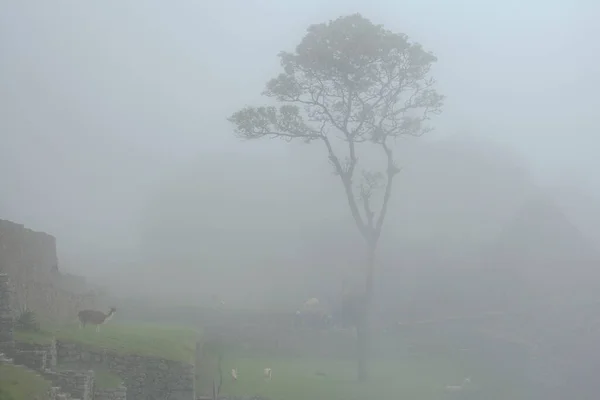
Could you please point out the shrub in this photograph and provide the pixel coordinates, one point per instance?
(26, 321)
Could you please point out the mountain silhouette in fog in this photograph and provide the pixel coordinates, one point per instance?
(548, 250)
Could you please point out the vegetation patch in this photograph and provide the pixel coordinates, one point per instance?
(18, 383)
(168, 342)
(27, 321)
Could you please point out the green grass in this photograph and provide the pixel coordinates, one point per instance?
(21, 384)
(297, 379)
(40, 337)
(412, 377)
(172, 343)
(403, 371)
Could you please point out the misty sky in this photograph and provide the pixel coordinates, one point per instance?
(101, 102)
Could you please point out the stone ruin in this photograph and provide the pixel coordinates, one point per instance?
(42, 360)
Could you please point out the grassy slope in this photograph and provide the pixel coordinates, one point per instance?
(22, 384)
(171, 343)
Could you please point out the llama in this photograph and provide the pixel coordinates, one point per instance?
(234, 374)
(267, 374)
(94, 317)
(458, 388)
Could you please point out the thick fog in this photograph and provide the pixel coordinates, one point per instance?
(114, 138)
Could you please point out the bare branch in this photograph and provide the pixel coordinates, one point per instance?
(347, 183)
(370, 184)
(391, 172)
(370, 215)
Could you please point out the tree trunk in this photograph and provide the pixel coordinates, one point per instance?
(363, 327)
(362, 349)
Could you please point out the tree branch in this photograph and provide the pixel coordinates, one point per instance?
(347, 183)
(365, 196)
(368, 212)
(391, 172)
(371, 182)
(285, 123)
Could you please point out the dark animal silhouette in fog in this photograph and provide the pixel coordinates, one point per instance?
(94, 317)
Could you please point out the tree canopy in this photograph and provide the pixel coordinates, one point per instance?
(352, 80)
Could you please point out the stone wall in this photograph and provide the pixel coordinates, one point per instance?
(6, 316)
(24, 247)
(33, 359)
(78, 384)
(145, 377)
(49, 350)
(119, 393)
(29, 258)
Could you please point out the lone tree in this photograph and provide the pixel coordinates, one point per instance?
(351, 84)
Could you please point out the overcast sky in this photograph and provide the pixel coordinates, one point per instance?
(101, 101)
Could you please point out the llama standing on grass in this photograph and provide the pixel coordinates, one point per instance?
(94, 317)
